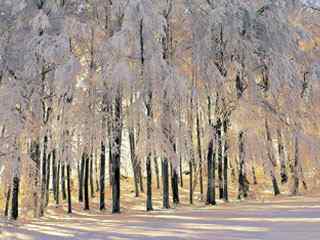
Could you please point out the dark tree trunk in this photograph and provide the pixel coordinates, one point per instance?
(295, 185)
(140, 177)
(149, 183)
(254, 177)
(48, 180)
(54, 173)
(6, 210)
(211, 187)
(225, 162)
(134, 162)
(69, 188)
(86, 181)
(199, 155)
(91, 175)
(102, 175)
(220, 176)
(190, 182)
(15, 192)
(283, 170)
(63, 181)
(165, 183)
(175, 186)
(15, 198)
(96, 171)
(81, 178)
(156, 166)
(243, 182)
(58, 183)
(181, 171)
(44, 175)
(116, 156)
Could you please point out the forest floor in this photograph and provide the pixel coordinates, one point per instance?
(260, 217)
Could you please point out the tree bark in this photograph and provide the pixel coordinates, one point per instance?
(63, 181)
(243, 182)
(165, 183)
(225, 161)
(211, 187)
(149, 183)
(15, 192)
(134, 162)
(69, 188)
(6, 210)
(43, 176)
(102, 175)
(116, 155)
(283, 170)
(156, 167)
(199, 155)
(86, 180)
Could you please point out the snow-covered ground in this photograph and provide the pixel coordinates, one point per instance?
(295, 218)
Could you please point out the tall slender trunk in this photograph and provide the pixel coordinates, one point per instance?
(181, 170)
(35, 156)
(91, 175)
(54, 173)
(44, 175)
(190, 182)
(165, 183)
(211, 187)
(134, 161)
(96, 170)
(220, 159)
(295, 185)
(243, 183)
(86, 180)
(175, 185)
(6, 210)
(283, 170)
(58, 183)
(81, 178)
(156, 167)
(271, 159)
(225, 161)
(149, 183)
(116, 155)
(199, 155)
(140, 177)
(102, 175)
(69, 187)
(63, 181)
(15, 192)
(48, 180)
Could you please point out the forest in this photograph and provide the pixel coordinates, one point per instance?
(171, 103)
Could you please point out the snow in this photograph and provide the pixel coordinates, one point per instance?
(294, 218)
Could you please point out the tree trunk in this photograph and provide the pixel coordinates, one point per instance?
(165, 183)
(225, 161)
(63, 181)
(149, 183)
(295, 177)
(81, 178)
(15, 192)
(283, 170)
(243, 183)
(156, 166)
(44, 175)
(58, 183)
(199, 155)
(91, 175)
(69, 188)
(220, 148)
(86, 181)
(134, 162)
(48, 180)
(54, 173)
(116, 155)
(254, 177)
(211, 187)
(181, 170)
(175, 186)
(6, 210)
(102, 175)
(271, 159)
(190, 182)
(35, 156)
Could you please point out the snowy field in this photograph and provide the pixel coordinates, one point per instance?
(295, 218)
